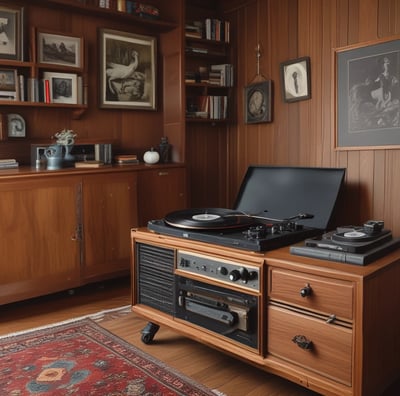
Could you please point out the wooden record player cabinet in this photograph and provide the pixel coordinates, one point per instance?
(330, 327)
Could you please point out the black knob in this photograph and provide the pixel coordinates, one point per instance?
(253, 275)
(222, 271)
(234, 275)
(306, 291)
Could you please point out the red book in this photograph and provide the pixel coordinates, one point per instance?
(47, 91)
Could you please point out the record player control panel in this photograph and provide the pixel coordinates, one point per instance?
(223, 270)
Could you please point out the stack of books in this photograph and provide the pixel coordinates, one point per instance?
(126, 159)
(8, 164)
(89, 164)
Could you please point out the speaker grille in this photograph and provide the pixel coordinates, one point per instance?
(155, 277)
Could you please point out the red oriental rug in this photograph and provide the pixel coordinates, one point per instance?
(81, 358)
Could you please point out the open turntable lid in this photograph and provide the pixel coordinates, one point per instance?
(283, 192)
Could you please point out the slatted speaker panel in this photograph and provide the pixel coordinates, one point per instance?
(155, 277)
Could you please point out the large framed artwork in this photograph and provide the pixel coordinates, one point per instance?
(367, 95)
(127, 70)
(11, 32)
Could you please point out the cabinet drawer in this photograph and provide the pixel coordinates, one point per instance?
(326, 295)
(330, 353)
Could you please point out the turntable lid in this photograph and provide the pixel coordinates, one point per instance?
(283, 192)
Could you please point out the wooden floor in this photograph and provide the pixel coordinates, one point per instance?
(207, 366)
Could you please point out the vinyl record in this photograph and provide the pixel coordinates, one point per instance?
(355, 235)
(208, 219)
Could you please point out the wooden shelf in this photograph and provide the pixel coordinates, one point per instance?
(75, 6)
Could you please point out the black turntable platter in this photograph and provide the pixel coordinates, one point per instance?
(208, 219)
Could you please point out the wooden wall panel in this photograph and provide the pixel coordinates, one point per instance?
(302, 133)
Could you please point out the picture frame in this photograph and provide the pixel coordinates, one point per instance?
(9, 84)
(257, 99)
(63, 87)
(127, 70)
(11, 32)
(59, 49)
(296, 79)
(367, 95)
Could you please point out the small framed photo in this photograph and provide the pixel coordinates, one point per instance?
(11, 32)
(8, 84)
(127, 70)
(257, 99)
(59, 49)
(63, 87)
(296, 79)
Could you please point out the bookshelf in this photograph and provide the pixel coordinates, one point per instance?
(209, 76)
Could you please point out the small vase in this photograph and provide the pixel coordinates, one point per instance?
(69, 159)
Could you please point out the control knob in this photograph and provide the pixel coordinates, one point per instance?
(242, 274)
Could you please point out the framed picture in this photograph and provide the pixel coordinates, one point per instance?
(11, 32)
(296, 79)
(127, 70)
(257, 99)
(59, 49)
(63, 87)
(8, 84)
(367, 95)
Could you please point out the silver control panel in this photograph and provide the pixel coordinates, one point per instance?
(219, 269)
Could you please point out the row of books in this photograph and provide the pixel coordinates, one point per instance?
(31, 89)
(209, 29)
(8, 163)
(219, 75)
(131, 7)
(214, 107)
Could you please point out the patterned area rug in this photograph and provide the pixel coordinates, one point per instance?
(81, 358)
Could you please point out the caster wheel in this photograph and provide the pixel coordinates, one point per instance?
(149, 332)
(147, 338)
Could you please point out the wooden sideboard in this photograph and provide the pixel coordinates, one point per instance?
(330, 327)
(62, 229)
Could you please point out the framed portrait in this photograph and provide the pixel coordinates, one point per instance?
(127, 70)
(9, 84)
(296, 79)
(257, 99)
(367, 95)
(59, 49)
(11, 32)
(63, 87)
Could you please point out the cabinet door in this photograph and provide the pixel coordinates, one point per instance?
(39, 241)
(161, 191)
(109, 211)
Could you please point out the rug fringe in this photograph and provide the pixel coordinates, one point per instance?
(96, 317)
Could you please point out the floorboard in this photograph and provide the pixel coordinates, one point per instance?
(212, 368)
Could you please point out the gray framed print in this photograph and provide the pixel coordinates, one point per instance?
(367, 95)
(11, 32)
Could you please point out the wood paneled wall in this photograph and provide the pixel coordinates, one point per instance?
(302, 133)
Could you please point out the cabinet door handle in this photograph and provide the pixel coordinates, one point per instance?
(162, 173)
(302, 342)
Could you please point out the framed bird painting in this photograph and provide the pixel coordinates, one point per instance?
(127, 70)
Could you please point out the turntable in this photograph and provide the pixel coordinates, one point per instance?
(275, 207)
(350, 244)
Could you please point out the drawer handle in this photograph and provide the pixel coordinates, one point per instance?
(306, 291)
(302, 342)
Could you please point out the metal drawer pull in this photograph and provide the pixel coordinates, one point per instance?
(331, 318)
(306, 291)
(302, 342)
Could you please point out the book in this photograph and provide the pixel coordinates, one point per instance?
(9, 165)
(8, 161)
(89, 164)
